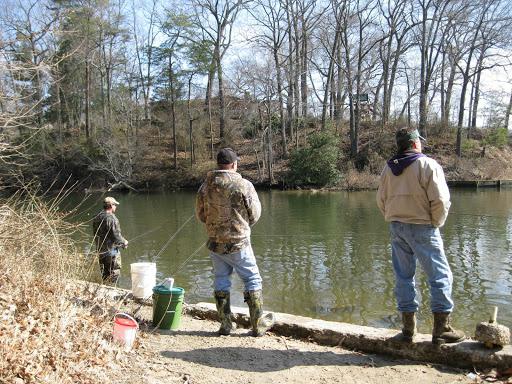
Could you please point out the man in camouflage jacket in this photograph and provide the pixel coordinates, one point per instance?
(108, 239)
(228, 204)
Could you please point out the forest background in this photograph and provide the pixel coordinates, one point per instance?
(140, 95)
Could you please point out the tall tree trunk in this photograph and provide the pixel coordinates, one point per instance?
(460, 122)
(386, 62)
(340, 98)
(423, 74)
(109, 96)
(87, 99)
(270, 162)
(330, 73)
(210, 121)
(476, 96)
(290, 75)
(173, 113)
(353, 134)
(304, 69)
(443, 86)
(222, 109)
(508, 111)
(296, 73)
(449, 93)
(470, 114)
(190, 121)
(279, 79)
(375, 105)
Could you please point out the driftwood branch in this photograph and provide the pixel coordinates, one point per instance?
(120, 185)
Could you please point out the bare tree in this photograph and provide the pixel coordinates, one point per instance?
(397, 42)
(481, 20)
(216, 18)
(270, 14)
(144, 49)
(364, 39)
(434, 22)
(331, 49)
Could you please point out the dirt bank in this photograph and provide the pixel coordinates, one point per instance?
(194, 354)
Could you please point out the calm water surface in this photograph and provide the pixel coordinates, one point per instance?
(325, 255)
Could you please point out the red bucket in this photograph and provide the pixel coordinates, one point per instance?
(125, 329)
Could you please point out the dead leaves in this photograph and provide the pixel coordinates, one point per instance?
(44, 336)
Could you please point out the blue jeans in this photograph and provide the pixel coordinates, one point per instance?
(412, 242)
(244, 264)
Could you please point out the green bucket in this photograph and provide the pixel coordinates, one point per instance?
(167, 307)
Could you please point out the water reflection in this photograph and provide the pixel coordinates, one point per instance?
(326, 255)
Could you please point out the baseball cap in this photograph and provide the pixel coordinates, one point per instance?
(227, 156)
(404, 136)
(110, 200)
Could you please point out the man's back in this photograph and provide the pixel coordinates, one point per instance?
(419, 195)
(106, 230)
(228, 205)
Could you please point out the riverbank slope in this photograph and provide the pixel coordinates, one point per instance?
(150, 165)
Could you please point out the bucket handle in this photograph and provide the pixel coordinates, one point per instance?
(128, 316)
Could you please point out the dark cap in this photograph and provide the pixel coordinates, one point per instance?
(405, 136)
(227, 156)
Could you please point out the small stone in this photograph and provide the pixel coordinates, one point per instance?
(492, 334)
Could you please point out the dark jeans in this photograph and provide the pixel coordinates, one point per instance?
(110, 266)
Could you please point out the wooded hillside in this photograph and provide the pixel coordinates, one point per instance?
(141, 94)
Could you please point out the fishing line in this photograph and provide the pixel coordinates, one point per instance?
(147, 232)
(173, 236)
(477, 215)
(180, 267)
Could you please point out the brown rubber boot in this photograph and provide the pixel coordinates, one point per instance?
(222, 299)
(409, 326)
(443, 331)
(260, 324)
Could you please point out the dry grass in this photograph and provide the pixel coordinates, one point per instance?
(51, 331)
(357, 180)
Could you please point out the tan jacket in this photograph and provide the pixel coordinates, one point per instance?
(228, 204)
(417, 196)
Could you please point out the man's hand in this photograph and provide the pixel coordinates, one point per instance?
(125, 244)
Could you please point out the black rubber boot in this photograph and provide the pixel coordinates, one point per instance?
(224, 312)
(443, 331)
(260, 324)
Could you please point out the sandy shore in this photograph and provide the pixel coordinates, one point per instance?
(195, 354)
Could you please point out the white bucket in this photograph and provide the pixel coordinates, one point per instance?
(125, 329)
(143, 279)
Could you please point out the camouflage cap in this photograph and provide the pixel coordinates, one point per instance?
(110, 200)
(227, 156)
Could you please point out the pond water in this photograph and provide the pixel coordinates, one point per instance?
(325, 255)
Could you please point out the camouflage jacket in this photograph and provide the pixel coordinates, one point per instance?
(228, 204)
(107, 232)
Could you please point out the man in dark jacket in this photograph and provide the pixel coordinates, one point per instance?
(108, 239)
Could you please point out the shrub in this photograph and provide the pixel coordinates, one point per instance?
(316, 164)
(470, 147)
(497, 138)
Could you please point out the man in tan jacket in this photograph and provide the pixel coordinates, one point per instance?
(414, 198)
